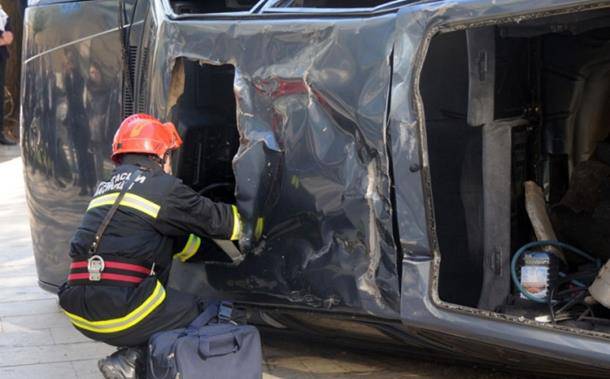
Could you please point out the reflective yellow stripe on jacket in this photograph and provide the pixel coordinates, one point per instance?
(130, 200)
(190, 249)
(236, 233)
(125, 322)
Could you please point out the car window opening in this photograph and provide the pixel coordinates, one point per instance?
(331, 3)
(211, 6)
(204, 112)
(516, 112)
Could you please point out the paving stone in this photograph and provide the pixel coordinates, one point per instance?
(8, 295)
(16, 356)
(67, 334)
(18, 281)
(32, 307)
(86, 369)
(14, 241)
(23, 338)
(62, 370)
(6, 264)
(35, 322)
(7, 270)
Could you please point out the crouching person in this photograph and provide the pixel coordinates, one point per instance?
(122, 251)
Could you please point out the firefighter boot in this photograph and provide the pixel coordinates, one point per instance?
(125, 363)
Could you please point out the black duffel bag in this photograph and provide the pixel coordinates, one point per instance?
(212, 346)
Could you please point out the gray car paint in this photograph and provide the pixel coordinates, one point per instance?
(380, 97)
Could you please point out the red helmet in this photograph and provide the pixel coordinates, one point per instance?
(142, 133)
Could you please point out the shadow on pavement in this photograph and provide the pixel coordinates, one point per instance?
(297, 358)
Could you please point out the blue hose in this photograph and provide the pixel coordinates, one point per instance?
(526, 247)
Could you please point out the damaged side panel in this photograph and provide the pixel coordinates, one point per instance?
(311, 103)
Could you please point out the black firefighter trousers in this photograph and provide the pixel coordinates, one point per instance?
(177, 311)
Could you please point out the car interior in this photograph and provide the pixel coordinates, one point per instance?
(517, 124)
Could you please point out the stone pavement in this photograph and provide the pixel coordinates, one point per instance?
(37, 341)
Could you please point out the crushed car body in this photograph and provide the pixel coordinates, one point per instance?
(383, 147)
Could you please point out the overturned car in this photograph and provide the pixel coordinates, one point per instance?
(409, 160)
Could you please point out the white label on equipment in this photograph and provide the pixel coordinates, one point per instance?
(534, 279)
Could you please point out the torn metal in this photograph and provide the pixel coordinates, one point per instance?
(311, 105)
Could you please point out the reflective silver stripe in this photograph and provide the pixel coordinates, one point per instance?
(108, 199)
(130, 200)
(190, 249)
(125, 322)
(141, 204)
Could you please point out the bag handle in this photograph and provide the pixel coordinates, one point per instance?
(220, 309)
(222, 344)
(102, 228)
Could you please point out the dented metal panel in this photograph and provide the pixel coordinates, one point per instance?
(312, 100)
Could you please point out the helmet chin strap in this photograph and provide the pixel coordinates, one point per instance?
(156, 159)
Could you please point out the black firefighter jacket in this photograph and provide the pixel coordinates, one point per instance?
(156, 213)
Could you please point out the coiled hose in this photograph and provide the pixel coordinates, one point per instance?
(538, 244)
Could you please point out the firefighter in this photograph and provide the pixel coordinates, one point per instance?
(122, 251)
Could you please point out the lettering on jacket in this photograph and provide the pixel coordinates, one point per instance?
(116, 183)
